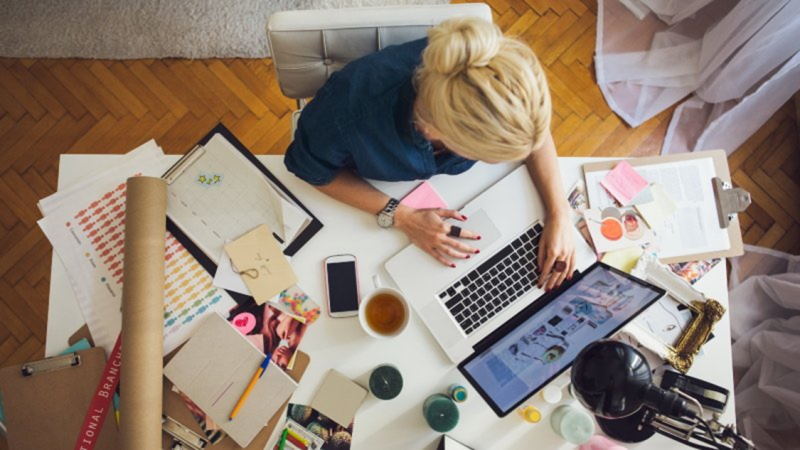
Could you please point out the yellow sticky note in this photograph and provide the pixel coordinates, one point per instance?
(624, 259)
(659, 209)
(260, 262)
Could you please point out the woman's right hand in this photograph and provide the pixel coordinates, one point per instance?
(427, 230)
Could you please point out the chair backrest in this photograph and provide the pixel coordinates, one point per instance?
(307, 46)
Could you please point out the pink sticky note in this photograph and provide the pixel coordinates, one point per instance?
(424, 196)
(624, 183)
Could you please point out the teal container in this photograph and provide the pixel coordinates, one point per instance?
(457, 392)
(385, 382)
(440, 412)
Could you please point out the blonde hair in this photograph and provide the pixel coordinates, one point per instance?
(485, 93)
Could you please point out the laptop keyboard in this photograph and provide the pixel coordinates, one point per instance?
(496, 283)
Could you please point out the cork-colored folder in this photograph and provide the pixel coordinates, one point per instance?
(46, 408)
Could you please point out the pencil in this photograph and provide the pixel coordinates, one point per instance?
(282, 442)
(250, 386)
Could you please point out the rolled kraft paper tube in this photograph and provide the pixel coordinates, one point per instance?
(143, 313)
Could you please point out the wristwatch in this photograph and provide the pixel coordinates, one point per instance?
(386, 216)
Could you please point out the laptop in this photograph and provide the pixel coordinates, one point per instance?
(461, 306)
(542, 341)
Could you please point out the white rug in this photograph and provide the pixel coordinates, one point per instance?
(128, 29)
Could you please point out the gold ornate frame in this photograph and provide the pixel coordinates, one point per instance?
(706, 315)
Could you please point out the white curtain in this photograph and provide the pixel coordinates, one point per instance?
(739, 61)
(765, 329)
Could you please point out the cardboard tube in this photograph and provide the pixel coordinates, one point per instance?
(143, 313)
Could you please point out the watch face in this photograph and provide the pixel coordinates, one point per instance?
(385, 220)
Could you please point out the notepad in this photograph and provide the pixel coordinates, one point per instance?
(625, 184)
(214, 367)
(424, 196)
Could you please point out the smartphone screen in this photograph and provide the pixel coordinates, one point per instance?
(342, 286)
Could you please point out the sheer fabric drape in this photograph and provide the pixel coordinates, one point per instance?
(738, 61)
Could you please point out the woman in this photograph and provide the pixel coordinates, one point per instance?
(436, 105)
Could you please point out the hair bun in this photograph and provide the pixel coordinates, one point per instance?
(458, 44)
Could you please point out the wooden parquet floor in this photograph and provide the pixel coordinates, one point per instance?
(49, 107)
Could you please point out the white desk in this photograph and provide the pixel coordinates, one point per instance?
(341, 344)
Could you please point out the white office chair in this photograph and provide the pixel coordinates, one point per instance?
(307, 46)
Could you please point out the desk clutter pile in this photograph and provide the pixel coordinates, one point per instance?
(234, 315)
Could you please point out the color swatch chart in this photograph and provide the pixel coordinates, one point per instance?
(87, 229)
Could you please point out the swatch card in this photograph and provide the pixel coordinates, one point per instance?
(626, 185)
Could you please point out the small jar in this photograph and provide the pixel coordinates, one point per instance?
(573, 424)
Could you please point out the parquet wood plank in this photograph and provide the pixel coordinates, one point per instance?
(57, 140)
(151, 104)
(215, 85)
(7, 347)
(27, 351)
(9, 105)
(38, 91)
(20, 148)
(190, 78)
(765, 200)
(7, 218)
(119, 90)
(239, 89)
(98, 89)
(86, 143)
(144, 74)
(259, 87)
(11, 85)
(181, 89)
(565, 41)
(15, 325)
(785, 149)
(77, 89)
(72, 105)
(582, 50)
(525, 21)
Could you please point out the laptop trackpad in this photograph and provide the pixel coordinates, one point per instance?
(479, 222)
(437, 318)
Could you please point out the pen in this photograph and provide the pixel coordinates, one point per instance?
(250, 386)
(282, 442)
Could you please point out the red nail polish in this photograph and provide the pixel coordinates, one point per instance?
(463, 217)
(469, 256)
(453, 266)
(478, 238)
(477, 251)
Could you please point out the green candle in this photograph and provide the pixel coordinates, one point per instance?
(440, 412)
(574, 425)
(386, 382)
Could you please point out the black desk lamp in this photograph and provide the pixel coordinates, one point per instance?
(613, 380)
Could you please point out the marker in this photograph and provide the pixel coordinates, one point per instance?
(250, 386)
(282, 442)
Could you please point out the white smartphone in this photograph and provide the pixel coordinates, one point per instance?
(341, 281)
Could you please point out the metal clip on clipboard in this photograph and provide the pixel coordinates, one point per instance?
(730, 201)
(186, 160)
(182, 434)
(50, 364)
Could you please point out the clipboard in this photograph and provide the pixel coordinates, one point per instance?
(728, 201)
(205, 260)
(46, 401)
(175, 408)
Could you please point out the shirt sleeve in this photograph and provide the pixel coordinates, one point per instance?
(319, 150)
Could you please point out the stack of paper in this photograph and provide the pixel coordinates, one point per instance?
(85, 224)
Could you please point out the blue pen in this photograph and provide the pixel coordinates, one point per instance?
(260, 371)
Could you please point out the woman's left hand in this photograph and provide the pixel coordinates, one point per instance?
(557, 244)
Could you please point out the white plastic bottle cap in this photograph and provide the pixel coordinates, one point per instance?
(551, 394)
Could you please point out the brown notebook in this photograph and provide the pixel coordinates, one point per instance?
(46, 408)
(175, 407)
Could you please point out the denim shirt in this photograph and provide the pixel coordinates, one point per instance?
(361, 119)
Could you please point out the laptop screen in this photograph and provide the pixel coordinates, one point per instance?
(543, 340)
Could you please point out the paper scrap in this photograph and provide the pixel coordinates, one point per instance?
(294, 220)
(338, 397)
(296, 302)
(624, 183)
(624, 259)
(257, 257)
(424, 196)
(657, 211)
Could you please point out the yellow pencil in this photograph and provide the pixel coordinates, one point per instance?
(250, 386)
